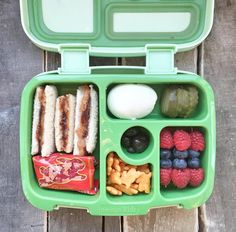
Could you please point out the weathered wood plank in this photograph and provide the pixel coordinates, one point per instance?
(19, 62)
(112, 224)
(166, 219)
(73, 220)
(186, 61)
(220, 71)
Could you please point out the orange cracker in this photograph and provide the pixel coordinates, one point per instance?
(144, 182)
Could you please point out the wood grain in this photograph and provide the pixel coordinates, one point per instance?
(165, 219)
(73, 220)
(20, 60)
(220, 70)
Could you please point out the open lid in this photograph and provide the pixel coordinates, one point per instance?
(117, 27)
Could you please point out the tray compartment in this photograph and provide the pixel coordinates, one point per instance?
(140, 197)
(132, 21)
(52, 198)
(182, 196)
(200, 112)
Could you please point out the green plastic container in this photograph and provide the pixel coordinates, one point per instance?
(156, 29)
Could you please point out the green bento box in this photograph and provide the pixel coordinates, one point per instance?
(156, 29)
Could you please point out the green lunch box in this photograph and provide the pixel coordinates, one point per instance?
(157, 29)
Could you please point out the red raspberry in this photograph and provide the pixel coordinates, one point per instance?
(197, 141)
(180, 177)
(166, 139)
(182, 140)
(165, 176)
(196, 177)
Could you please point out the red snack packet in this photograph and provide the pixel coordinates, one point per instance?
(66, 172)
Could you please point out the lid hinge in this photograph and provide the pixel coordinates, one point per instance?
(74, 59)
(160, 59)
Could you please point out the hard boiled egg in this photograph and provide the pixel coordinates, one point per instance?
(131, 101)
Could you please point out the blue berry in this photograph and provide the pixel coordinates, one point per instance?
(193, 154)
(179, 163)
(172, 157)
(194, 163)
(166, 163)
(165, 154)
(180, 154)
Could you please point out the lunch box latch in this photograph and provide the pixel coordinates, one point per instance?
(74, 59)
(160, 59)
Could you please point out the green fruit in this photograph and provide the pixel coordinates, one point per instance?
(168, 102)
(179, 101)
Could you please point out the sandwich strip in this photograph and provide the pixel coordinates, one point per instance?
(64, 123)
(85, 120)
(43, 120)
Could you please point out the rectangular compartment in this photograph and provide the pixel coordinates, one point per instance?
(200, 112)
(142, 21)
(173, 194)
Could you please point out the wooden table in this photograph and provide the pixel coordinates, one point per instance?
(20, 60)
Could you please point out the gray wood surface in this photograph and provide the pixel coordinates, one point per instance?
(20, 60)
(220, 70)
(163, 220)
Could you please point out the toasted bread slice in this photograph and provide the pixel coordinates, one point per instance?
(64, 123)
(86, 117)
(43, 120)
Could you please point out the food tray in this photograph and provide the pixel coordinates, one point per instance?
(101, 40)
(110, 132)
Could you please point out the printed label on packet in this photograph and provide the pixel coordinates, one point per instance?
(66, 172)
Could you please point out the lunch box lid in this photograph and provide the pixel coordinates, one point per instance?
(117, 28)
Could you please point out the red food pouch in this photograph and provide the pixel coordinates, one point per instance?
(66, 172)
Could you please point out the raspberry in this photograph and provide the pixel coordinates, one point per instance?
(197, 141)
(196, 177)
(165, 176)
(166, 139)
(180, 177)
(182, 140)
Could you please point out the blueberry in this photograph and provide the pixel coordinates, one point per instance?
(179, 163)
(140, 143)
(166, 163)
(180, 154)
(172, 157)
(125, 141)
(194, 163)
(132, 131)
(165, 154)
(130, 150)
(193, 154)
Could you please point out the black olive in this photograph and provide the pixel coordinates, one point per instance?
(140, 143)
(130, 150)
(132, 132)
(125, 141)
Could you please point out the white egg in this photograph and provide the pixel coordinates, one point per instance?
(131, 101)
